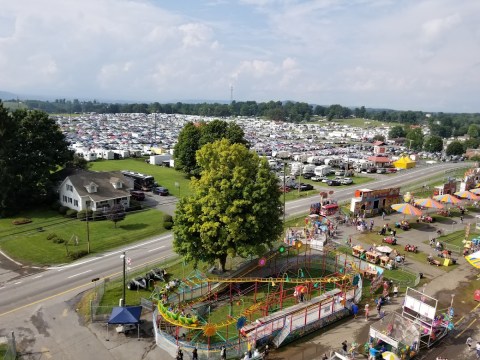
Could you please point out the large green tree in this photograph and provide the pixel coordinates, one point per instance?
(396, 131)
(415, 139)
(188, 143)
(194, 136)
(31, 149)
(433, 143)
(235, 207)
(455, 148)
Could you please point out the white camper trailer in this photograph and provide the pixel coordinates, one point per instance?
(323, 170)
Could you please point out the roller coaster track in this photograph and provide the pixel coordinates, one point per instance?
(322, 280)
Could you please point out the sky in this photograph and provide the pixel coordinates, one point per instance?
(397, 54)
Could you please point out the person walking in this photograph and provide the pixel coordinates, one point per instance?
(469, 343)
(195, 354)
(461, 219)
(344, 347)
(367, 310)
(223, 353)
(395, 290)
(477, 348)
(379, 306)
(383, 215)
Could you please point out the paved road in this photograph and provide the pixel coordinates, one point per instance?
(40, 287)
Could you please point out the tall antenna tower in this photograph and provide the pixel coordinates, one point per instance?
(231, 93)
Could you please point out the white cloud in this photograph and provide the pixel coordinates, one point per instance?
(372, 52)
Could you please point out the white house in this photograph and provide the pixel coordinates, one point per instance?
(95, 190)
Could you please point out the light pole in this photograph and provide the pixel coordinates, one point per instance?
(284, 191)
(124, 258)
(88, 228)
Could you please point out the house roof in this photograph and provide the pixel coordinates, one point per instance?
(378, 143)
(379, 159)
(104, 182)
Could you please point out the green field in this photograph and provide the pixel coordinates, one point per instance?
(28, 243)
(165, 176)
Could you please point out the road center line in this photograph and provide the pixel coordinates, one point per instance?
(79, 274)
(161, 247)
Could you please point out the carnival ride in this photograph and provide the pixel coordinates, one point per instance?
(310, 292)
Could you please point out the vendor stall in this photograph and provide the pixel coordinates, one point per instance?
(372, 202)
(372, 257)
(358, 251)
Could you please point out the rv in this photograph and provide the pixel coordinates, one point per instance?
(308, 169)
(323, 170)
(315, 160)
(296, 168)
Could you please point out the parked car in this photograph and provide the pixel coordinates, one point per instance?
(160, 191)
(319, 178)
(391, 170)
(333, 183)
(306, 187)
(137, 195)
(308, 175)
(381, 171)
(346, 181)
(371, 170)
(340, 172)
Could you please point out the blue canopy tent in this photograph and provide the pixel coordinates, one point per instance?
(126, 316)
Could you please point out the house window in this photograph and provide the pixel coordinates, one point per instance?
(69, 188)
(70, 200)
(64, 198)
(75, 203)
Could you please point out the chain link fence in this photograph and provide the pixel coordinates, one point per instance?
(8, 347)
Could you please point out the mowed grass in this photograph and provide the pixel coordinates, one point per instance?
(27, 244)
(164, 176)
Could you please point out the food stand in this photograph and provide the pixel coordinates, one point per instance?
(372, 257)
(372, 202)
(358, 251)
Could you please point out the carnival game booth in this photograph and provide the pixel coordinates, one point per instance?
(395, 334)
(373, 202)
(418, 326)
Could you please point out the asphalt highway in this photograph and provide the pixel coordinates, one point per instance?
(57, 281)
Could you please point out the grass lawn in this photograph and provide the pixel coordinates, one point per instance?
(31, 246)
(165, 176)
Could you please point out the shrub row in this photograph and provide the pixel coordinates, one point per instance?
(167, 222)
(55, 239)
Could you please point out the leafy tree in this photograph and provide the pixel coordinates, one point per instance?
(116, 214)
(193, 137)
(415, 138)
(454, 148)
(433, 143)
(396, 132)
(473, 131)
(235, 206)
(187, 145)
(378, 137)
(31, 149)
(77, 162)
(471, 144)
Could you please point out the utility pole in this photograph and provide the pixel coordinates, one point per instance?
(155, 132)
(284, 170)
(123, 256)
(88, 229)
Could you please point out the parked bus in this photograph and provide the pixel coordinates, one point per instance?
(140, 181)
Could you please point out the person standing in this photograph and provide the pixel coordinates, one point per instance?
(383, 215)
(477, 348)
(366, 312)
(355, 310)
(469, 343)
(461, 219)
(223, 353)
(344, 347)
(195, 354)
(395, 290)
